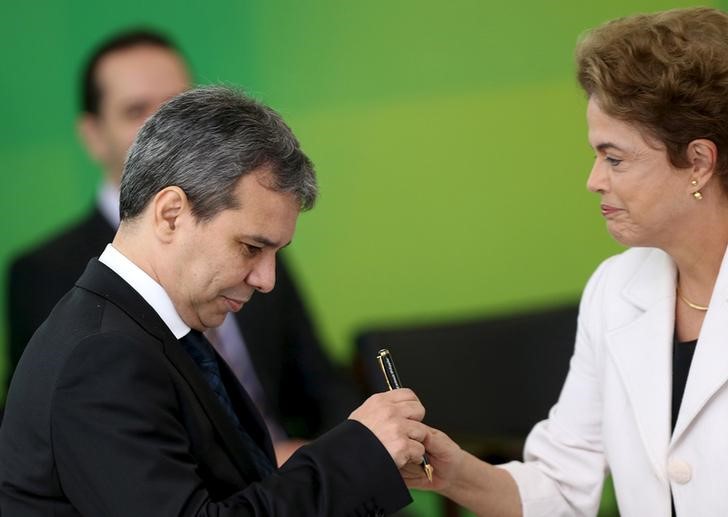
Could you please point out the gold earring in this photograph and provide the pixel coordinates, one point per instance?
(694, 182)
(697, 195)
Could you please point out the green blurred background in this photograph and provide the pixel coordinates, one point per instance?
(449, 139)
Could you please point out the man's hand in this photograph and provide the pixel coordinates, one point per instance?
(395, 419)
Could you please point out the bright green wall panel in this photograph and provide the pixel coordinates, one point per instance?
(429, 211)
(451, 147)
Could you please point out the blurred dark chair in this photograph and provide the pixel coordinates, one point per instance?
(485, 382)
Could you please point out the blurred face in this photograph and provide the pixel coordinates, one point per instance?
(643, 197)
(133, 83)
(217, 265)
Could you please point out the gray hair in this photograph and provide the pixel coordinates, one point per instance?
(203, 141)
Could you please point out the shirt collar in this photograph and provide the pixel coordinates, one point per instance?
(153, 293)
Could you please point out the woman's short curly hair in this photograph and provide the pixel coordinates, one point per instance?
(666, 73)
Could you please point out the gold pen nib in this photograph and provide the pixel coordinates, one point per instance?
(428, 472)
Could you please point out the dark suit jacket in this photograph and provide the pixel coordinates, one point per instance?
(108, 415)
(305, 392)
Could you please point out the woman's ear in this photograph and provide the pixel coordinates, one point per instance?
(703, 157)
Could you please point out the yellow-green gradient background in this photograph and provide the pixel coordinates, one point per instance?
(449, 139)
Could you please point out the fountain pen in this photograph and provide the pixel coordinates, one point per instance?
(386, 363)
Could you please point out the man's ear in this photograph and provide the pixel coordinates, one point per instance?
(89, 131)
(170, 208)
(703, 157)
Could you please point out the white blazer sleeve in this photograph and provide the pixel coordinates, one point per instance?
(564, 466)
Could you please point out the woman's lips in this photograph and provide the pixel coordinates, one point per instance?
(608, 210)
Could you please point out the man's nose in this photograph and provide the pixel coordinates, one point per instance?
(263, 275)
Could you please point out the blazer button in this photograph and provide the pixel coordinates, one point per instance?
(679, 471)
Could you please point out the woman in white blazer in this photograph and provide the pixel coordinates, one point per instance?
(653, 320)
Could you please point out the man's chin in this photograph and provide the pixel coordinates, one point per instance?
(213, 320)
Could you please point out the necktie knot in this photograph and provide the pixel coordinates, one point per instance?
(197, 345)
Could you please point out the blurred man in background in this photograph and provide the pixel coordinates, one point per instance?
(271, 345)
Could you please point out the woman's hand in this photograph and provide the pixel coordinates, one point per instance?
(446, 458)
(463, 478)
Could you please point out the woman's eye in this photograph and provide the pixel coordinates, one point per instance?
(614, 162)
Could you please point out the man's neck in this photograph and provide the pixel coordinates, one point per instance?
(147, 286)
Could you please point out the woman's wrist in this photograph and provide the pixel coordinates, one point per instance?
(483, 488)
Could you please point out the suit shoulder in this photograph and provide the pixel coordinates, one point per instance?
(83, 237)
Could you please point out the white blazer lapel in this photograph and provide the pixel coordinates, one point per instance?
(709, 368)
(641, 349)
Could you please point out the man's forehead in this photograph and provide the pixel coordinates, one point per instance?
(136, 73)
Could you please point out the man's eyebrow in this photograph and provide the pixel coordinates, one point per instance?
(260, 239)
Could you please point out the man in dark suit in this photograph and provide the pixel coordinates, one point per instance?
(119, 406)
(272, 345)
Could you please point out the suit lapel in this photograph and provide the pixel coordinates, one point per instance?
(709, 368)
(101, 280)
(641, 350)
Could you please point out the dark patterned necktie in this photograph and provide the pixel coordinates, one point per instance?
(202, 353)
